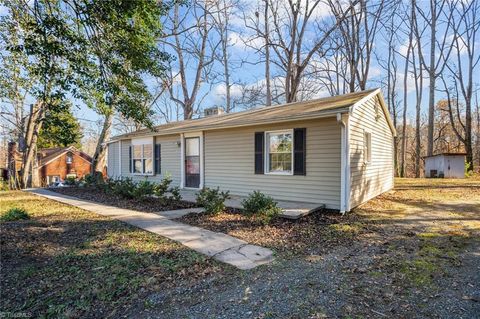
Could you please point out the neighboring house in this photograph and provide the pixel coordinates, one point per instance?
(55, 164)
(336, 151)
(447, 165)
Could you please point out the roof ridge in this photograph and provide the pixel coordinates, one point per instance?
(229, 118)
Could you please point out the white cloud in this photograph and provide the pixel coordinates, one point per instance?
(374, 72)
(220, 90)
(244, 42)
(4, 10)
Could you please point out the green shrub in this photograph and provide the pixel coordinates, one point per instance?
(93, 179)
(70, 181)
(163, 187)
(468, 169)
(14, 214)
(124, 187)
(212, 200)
(143, 189)
(175, 191)
(4, 185)
(261, 206)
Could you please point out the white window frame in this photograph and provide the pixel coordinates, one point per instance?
(367, 147)
(267, 152)
(142, 159)
(69, 156)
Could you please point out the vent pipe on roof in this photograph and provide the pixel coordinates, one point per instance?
(212, 111)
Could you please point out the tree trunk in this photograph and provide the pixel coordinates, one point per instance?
(432, 78)
(431, 113)
(417, 141)
(98, 160)
(468, 134)
(268, 99)
(188, 110)
(31, 137)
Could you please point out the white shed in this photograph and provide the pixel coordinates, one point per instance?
(447, 165)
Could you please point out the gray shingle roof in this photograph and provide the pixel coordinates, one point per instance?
(263, 115)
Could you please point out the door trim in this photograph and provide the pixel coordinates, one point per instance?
(183, 136)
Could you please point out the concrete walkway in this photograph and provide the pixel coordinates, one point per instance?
(220, 246)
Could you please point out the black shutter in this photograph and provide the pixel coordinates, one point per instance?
(158, 148)
(259, 147)
(299, 151)
(130, 159)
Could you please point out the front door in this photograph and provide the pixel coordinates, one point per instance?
(192, 162)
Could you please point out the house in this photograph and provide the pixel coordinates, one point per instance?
(336, 151)
(447, 165)
(54, 164)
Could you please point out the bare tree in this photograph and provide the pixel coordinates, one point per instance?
(221, 11)
(418, 78)
(406, 73)
(295, 33)
(465, 23)
(358, 31)
(437, 17)
(187, 37)
(390, 66)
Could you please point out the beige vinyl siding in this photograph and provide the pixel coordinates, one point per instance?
(229, 163)
(376, 177)
(170, 160)
(112, 160)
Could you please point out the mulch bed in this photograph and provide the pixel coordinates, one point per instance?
(312, 234)
(151, 205)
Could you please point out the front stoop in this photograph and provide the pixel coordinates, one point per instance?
(296, 213)
(222, 247)
(290, 209)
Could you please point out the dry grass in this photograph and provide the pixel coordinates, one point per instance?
(318, 232)
(67, 262)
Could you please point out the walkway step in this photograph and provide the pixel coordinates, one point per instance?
(295, 213)
(220, 246)
(177, 213)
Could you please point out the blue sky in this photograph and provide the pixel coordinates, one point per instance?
(251, 72)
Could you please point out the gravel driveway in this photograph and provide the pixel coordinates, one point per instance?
(419, 259)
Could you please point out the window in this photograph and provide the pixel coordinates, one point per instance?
(279, 152)
(52, 179)
(367, 147)
(142, 159)
(69, 158)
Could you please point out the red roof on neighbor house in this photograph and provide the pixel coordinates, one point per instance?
(47, 155)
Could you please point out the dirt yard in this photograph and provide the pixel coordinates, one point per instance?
(65, 262)
(411, 253)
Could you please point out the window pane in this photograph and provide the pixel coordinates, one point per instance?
(147, 151)
(280, 142)
(192, 146)
(193, 165)
(280, 152)
(137, 151)
(148, 163)
(137, 166)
